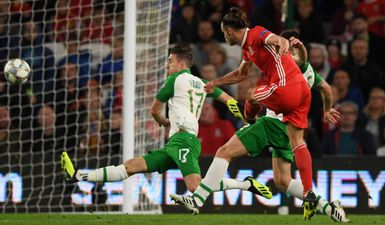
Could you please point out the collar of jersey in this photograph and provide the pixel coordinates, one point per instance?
(244, 37)
(180, 72)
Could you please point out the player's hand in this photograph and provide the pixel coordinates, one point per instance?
(251, 97)
(296, 43)
(232, 104)
(331, 116)
(283, 45)
(165, 123)
(209, 87)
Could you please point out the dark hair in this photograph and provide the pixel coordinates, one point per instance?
(290, 33)
(183, 52)
(359, 16)
(236, 18)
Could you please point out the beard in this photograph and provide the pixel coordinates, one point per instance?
(231, 42)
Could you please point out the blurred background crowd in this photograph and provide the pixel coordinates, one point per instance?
(346, 46)
(75, 92)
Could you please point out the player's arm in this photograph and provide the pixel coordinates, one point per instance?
(164, 94)
(233, 77)
(301, 53)
(231, 103)
(157, 112)
(330, 114)
(278, 41)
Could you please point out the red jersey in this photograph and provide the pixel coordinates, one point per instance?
(280, 70)
(372, 9)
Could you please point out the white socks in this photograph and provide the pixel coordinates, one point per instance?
(109, 173)
(229, 183)
(212, 181)
(295, 189)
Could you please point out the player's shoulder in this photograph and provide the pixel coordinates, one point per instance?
(260, 31)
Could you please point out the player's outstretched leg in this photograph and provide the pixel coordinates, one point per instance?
(187, 202)
(258, 188)
(338, 213)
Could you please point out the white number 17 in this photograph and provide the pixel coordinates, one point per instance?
(182, 154)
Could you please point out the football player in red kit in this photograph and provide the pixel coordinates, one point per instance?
(286, 92)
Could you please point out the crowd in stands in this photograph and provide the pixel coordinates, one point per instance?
(346, 46)
(76, 98)
(73, 100)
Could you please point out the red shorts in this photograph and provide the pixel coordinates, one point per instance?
(292, 100)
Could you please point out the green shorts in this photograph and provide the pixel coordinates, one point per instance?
(266, 132)
(182, 151)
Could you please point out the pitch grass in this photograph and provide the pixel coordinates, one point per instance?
(175, 219)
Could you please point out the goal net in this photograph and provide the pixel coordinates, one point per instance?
(73, 101)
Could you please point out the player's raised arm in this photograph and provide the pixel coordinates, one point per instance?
(301, 53)
(233, 77)
(330, 115)
(157, 112)
(281, 43)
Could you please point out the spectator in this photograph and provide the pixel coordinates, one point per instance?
(67, 105)
(373, 116)
(335, 58)
(82, 58)
(269, 16)
(9, 137)
(9, 35)
(113, 136)
(39, 58)
(114, 99)
(93, 124)
(65, 21)
(376, 44)
(100, 27)
(214, 11)
(347, 91)
(218, 58)
(213, 132)
(363, 72)
(205, 42)
(310, 24)
(46, 137)
(374, 10)
(185, 30)
(349, 139)
(341, 24)
(209, 73)
(318, 58)
(112, 63)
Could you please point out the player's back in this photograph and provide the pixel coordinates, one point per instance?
(278, 69)
(186, 104)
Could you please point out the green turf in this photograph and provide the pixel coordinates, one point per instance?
(177, 219)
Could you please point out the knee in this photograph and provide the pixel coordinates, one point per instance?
(130, 165)
(135, 165)
(224, 152)
(281, 185)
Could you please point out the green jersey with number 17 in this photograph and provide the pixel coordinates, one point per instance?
(185, 96)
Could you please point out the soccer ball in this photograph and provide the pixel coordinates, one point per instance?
(17, 71)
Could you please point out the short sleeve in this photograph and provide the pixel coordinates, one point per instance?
(261, 34)
(167, 90)
(317, 79)
(217, 91)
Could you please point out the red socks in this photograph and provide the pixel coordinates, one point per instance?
(304, 165)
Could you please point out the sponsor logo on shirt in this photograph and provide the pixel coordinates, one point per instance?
(263, 32)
